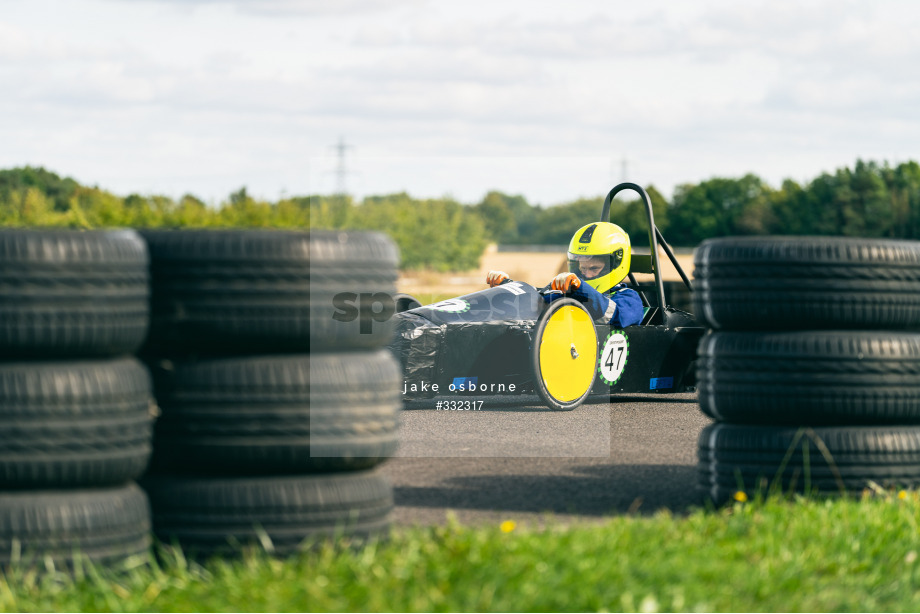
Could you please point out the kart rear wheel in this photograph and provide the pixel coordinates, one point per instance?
(564, 355)
(405, 302)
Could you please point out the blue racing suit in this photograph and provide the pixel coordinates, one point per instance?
(621, 306)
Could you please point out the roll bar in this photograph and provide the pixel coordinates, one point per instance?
(654, 239)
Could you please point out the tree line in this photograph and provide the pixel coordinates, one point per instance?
(868, 200)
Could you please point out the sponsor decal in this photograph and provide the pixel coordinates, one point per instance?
(660, 383)
(514, 288)
(613, 357)
(451, 305)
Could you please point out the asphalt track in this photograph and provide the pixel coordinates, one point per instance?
(514, 459)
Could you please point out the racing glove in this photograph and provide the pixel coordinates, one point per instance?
(565, 282)
(495, 278)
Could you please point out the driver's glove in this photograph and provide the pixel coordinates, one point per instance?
(565, 282)
(495, 278)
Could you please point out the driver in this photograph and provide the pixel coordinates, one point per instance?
(598, 257)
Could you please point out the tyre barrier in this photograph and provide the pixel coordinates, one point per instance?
(811, 370)
(274, 414)
(829, 459)
(263, 291)
(103, 525)
(71, 424)
(807, 283)
(75, 407)
(220, 515)
(810, 377)
(68, 293)
(276, 403)
(278, 414)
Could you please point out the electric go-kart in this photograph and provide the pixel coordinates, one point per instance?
(508, 340)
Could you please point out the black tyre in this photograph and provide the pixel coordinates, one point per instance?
(257, 291)
(208, 516)
(279, 414)
(810, 377)
(847, 459)
(405, 302)
(68, 424)
(72, 293)
(352, 289)
(786, 283)
(104, 525)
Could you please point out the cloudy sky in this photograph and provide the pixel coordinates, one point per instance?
(552, 100)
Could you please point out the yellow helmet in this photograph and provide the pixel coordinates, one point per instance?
(599, 254)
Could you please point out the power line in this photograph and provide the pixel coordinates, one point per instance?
(341, 169)
(623, 170)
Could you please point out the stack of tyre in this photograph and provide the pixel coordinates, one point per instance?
(276, 400)
(75, 406)
(812, 371)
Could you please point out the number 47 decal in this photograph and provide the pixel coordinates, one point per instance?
(613, 357)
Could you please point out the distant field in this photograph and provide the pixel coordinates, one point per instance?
(535, 268)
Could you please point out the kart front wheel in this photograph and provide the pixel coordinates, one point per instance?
(564, 355)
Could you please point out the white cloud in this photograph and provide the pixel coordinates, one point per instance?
(282, 8)
(215, 94)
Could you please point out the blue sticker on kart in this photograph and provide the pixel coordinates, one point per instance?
(462, 384)
(451, 305)
(661, 383)
(612, 361)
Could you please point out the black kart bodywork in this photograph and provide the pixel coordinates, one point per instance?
(484, 343)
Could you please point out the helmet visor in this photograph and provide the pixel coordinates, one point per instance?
(589, 267)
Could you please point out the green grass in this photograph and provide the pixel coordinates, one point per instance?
(807, 555)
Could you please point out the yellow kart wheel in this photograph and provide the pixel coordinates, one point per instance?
(564, 354)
